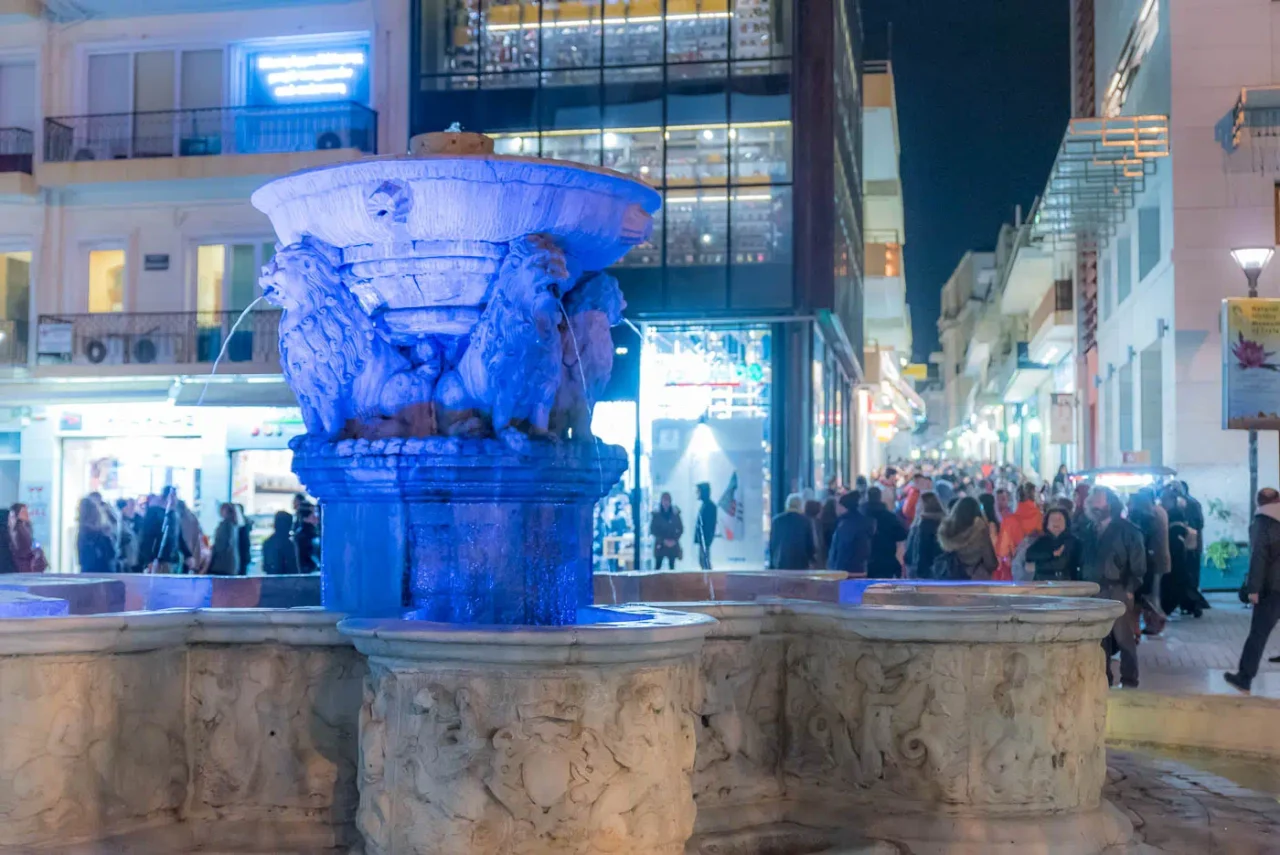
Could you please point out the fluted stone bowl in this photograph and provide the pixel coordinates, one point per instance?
(422, 238)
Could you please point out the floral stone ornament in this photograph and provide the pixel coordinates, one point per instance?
(445, 328)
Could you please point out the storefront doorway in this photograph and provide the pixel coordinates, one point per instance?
(121, 467)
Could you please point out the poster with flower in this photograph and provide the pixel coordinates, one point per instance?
(1251, 364)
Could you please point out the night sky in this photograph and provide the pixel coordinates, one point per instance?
(983, 100)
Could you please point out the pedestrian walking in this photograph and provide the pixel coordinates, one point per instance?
(813, 510)
(667, 528)
(279, 555)
(1153, 522)
(851, 542)
(922, 540)
(1263, 587)
(792, 541)
(305, 532)
(25, 555)
(1114, 556)
(224, 560)
(965, 538)
(1054, 554)
(95, 541)
(889, 532)
(161, 547)
(244, 541)
(1019, 523)
(704, 530)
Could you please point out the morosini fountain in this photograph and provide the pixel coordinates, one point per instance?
(445, 327)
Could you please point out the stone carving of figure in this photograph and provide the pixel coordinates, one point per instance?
(592, 308)
(511, 368)
(351, 382)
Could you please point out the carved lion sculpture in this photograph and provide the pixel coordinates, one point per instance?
(511, 368)
(592, 308)
(351, 382)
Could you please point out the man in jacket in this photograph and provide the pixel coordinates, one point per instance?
(792, 538)
(889, 532)
(851, 543)
(704, 527)
(1114, 556)
(1263, 586)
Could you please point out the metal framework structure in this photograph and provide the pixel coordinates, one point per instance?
(1101, 167)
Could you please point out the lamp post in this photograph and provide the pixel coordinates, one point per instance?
(1253, 260)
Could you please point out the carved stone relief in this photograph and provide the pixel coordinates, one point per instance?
(532, 763)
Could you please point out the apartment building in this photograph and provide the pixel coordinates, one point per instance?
(133, 134)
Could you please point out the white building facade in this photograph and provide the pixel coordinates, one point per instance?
(1190, 70)
(133, 135)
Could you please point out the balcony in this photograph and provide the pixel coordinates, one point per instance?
(17, 147)
(1028, 274)
(1017, 376)
(223, 142)
(1052, 325)
(151, 343)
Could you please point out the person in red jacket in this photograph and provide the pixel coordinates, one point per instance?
(1023, 521)
(920, 483)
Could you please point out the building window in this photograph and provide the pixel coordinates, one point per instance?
(106, 280)
(227, 275)
(1148, 240)
(1124, 271)
(1104, 286)
(1124, 407)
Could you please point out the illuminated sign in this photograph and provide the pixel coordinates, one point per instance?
(324, 74)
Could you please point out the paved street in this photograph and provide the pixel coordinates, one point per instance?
(1191, 655)
(1196, 804)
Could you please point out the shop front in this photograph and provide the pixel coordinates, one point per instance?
(705, 417)
(129, 450)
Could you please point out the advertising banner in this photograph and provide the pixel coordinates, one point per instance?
(1251, 364)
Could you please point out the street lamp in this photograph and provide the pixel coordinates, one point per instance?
(1253, 260)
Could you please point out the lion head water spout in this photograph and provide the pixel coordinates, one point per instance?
(445, 328)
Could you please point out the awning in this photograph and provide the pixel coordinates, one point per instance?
(1101, 166)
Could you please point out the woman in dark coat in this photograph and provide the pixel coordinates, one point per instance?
(667, 528)
(813, 510)
(25, 555)
(922, 540)
(225, 558)
(883, 563)
(965, 538)
(243, 541)
(1055, 553)
(279, 557)
(95, 546)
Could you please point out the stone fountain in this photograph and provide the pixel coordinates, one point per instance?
(446, 330)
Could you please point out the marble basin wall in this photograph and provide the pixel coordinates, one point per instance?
(235, 728)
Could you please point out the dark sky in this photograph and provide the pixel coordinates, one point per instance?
(983, 100)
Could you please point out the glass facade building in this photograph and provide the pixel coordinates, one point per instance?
(742, 299)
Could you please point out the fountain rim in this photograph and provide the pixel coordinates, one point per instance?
(651, 634)
(272, 194)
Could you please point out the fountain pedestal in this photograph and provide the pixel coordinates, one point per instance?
(478, 531)
(531, 741)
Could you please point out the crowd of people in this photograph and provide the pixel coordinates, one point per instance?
(988, 523)
(160, 534)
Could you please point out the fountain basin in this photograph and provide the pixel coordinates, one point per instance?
(422, 238)
(823, 587)
(523, 740)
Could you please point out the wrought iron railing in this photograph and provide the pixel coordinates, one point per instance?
(13, 342)
(220, 130)
(17, 145)
(158, 338)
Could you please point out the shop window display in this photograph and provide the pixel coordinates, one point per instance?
(704, 418)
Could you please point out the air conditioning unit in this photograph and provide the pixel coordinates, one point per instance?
(328, 140)
(107, 350)
(85, 154)
(153, 347)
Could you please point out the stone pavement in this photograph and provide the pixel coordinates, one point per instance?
(1191, 655)
(1186, 805)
